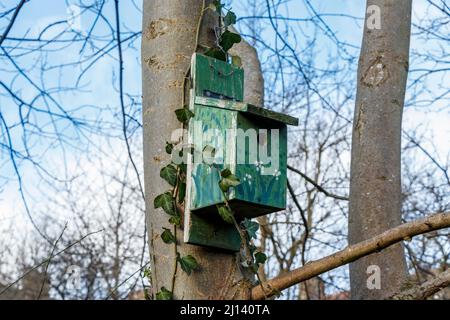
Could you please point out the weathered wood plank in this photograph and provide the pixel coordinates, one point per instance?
(246, 108)
(276, 116)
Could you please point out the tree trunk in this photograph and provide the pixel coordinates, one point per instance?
(375, 186)
(168, 42)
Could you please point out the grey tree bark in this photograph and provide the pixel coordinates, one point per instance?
(375, 185)
(254, 81)
(168, 41)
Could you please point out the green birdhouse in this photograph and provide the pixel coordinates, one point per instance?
(227, 133)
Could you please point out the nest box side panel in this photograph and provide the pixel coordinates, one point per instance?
(262, 185)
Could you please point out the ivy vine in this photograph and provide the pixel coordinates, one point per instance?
(250, 257)
(225, 39)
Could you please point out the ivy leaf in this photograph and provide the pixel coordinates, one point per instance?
(216, 53)
(169, 148)
(251, 227)
(184, 114)
(165, 201)
(187, 263)
(164, 294)
(167, 236)
(182, 192)
(226, 214)
(146, 272)
(175, 220)
(225, 173)
(228, 39)
(183, 167)
(228, 180)
(218, 5)
(169, 173)
(260, 258)
(209, 152)
(236, 61)
(229, 19)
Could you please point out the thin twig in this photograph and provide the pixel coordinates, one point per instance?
(48, 259)
(305, 221)
(318, 186)
(125, 281)
(48, 263)
(122, 104)
(11, 22)
(19, 180)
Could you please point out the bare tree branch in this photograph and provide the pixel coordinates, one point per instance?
(318, 186)
(11, 22)
(48, 260)
(426, 289)
(305, 221)
(352, 253)
(44, 278)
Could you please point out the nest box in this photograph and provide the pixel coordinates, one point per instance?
(226, 132)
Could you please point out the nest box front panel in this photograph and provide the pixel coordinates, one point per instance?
(253, 152)
(209, 127)
(203, 225)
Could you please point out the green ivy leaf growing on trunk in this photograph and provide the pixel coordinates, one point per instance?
(209, 153)
(260, 258)
(229, 19)
(216, 53)
(165, 201)
(169, 147)
(169, 173)
(217, 5)
(187, 263)
(167, 236)
(228, 39)
(251, 227)
(164, 294)
(228, 180)
(175, 220)
(225, 173)
(147, 273)
(184, 114)
(226, 214)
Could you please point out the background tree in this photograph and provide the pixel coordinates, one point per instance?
(375, 176)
